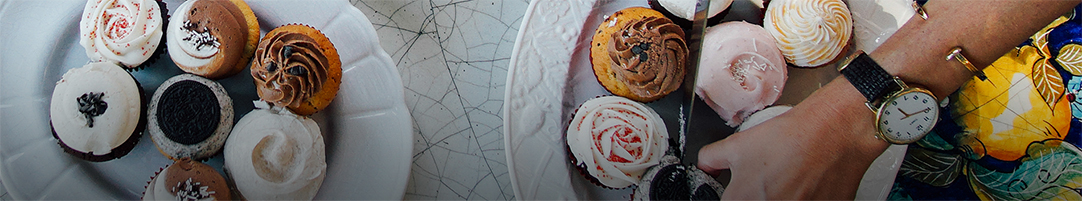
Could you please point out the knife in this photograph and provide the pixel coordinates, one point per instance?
(694, 43)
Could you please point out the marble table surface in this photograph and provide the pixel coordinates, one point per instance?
(453, 57)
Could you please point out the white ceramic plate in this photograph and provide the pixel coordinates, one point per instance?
(550, 76)
(367, 127)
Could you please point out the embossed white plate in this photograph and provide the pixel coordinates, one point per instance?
(550, 76)
(367, 128)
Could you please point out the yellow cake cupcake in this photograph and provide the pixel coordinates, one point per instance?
(297, 67)
(639, 54)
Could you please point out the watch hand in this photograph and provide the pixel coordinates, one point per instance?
(904, 113)
(907, 115)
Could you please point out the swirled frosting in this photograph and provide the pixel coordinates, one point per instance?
(649, 55)
(616, 139)
(686, 8)
(121, 31)
(273, 154)
(289, 68)
(810, 33)
(203, 31)
(187, 180)
(741, 70)
(95, 108)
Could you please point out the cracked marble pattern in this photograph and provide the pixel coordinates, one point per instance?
(453, 57)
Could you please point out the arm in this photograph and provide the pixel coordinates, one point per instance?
(822, 147)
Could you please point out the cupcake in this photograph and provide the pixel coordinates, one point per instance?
(212, 38)
(274, 154)
(682, 12)
(190, 117)
(671, 180)
(810, 33)
(613, 140)
(297, 67)
(97, 112)
(741, 70)
(187, 180)
(639, 54)
(123, 32)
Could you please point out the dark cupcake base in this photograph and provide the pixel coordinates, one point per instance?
(161, 43)
(124, 147)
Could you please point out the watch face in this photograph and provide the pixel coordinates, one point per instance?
(907, 116)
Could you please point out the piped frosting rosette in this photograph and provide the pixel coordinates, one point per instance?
(810, 33)
(126, 32)
(274, 154)
(297, 67)
(650, 55)
(616, 140)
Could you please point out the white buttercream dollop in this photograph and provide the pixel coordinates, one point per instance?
(616, 139)
(810, 33)
(121, 31)
(741, 70)
(109, 129)
(183, 43)
(273, 154)
(686, 8)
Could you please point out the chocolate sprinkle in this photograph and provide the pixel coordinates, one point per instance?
(188, 112)
(91, 105)
(670, 183)
(271, 67)
(286, 51)
(297, 70)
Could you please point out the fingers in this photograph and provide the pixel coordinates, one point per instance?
(716, 156)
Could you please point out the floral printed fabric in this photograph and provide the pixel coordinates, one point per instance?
(1012, 137)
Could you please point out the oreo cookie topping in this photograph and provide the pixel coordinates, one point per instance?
(188, 112)
(91, 105)
(670, 183)
(705, 192)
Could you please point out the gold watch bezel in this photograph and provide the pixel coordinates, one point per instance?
(894, 95)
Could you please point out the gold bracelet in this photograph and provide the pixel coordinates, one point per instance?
(920, 10)
(956, 54)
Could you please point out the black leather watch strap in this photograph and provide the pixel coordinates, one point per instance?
(869, 78)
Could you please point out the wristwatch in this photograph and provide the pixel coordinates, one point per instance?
(903, 113)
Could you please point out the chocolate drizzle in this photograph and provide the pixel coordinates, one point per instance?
(91, 105)
(188, 112)
(650, 54)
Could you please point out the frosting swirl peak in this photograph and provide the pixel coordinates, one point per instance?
(650, 53)
(809, 33)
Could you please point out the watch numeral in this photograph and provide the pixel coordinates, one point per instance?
(925, 101)
(895, 103)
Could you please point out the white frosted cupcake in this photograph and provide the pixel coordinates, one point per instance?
(124, 32)
(810, 33)
(97, 112)
(615, 139)
(274, 154)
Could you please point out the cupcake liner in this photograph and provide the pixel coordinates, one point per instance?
(151, 180)
(125, 147)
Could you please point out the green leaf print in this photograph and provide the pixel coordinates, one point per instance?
(1050, 170)
(930, 167)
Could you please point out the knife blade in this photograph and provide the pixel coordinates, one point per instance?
(694, 43)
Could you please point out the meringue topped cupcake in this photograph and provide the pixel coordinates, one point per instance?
(741, 70)
(614, 140)
(212, 38)
(97, 112)
(124, 32)
(274, 154)
(810, 33)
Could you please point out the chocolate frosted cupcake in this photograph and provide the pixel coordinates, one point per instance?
(128, 33)
(212, 38)
(297, 67)
(613, 140)
(187, 180)
(639, 54)
(190, 117)
(673, 181)
(97, 112)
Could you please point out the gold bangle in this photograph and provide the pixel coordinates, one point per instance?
(956, 54)
(920, 10)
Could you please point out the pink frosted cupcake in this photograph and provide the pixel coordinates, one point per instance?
(741, 70)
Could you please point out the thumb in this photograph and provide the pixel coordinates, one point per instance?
(715, 157)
